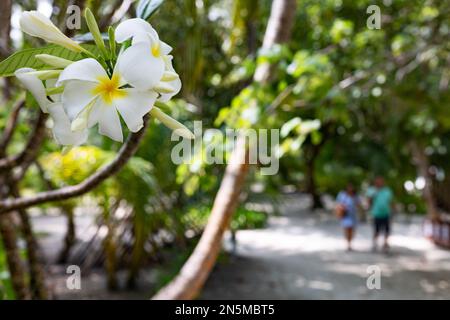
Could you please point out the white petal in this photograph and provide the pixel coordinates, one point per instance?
(61, 128)
(95, 113)
(165, 48)
(109, 123)
(139, 67)
(86, 69)
(131, 27)
(83, 119)
(76, 96)
(176, 87)
(142, 37)
(175, 84)
(168, 63)
(34, 85)
(51, 83)
(117, 73)
(134, 106)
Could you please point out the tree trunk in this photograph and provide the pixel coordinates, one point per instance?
(110, 248)
(188, 283)
(137, 256)
(7, 229)
(311, 188)
(422, 164)
(70, 237)
(9, 241)
(111, 260)
(195, 271)
(15, 263)
(312, 152)
(38, 286)
(5, 28)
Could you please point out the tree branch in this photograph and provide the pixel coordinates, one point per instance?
(5, 27)
(107, 18)
(31, 148)
(10, 126)
(128, 149)
(5, 42)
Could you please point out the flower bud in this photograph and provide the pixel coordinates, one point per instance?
(36, 24)
(171, 123)
(53, 61)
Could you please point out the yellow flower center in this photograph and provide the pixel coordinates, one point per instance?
(156, 50)
(108, 89)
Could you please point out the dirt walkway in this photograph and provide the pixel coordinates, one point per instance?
(301, 255)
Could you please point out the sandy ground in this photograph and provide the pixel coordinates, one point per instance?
(301, 255)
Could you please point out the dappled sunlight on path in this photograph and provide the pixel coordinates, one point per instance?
(301, 255)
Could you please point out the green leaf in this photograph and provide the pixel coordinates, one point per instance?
(25, 58)
(146, 8)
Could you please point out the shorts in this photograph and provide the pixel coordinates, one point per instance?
(348, 222)
(382, 225)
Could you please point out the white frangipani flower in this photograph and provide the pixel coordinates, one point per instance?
(143, 63)
(170, 79)
(34, 85)
(98, 89)
(61, 124)
(36, 24)
(91, 96)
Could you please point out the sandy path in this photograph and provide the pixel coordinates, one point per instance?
(300, 255)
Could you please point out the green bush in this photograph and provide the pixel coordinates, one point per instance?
(196, 217)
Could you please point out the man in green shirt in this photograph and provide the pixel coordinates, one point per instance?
(380, 209)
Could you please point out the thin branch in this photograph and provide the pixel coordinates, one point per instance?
(10, 126)
(280, 98)
(122, 11)
(5, 27)
(31, 148)
(48, 183)
(30, 157)
(351, 80)
(107, 18)
(125, 153)
(5, 41)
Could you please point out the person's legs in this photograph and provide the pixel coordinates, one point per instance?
(376, 231)
(387, 230)
(348, 233)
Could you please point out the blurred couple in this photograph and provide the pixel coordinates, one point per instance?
(379, 198)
